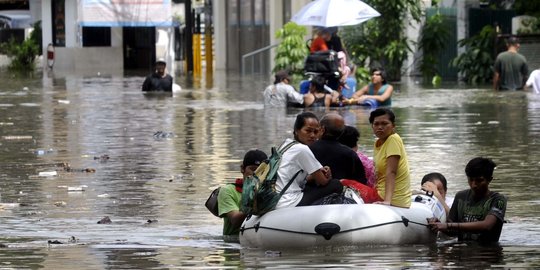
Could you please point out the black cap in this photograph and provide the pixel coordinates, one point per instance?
(254, 157)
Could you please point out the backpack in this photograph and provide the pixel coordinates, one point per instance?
(323, 62)
(259, 194)
(212, 201)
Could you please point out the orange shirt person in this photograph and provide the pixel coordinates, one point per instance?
(319, 42)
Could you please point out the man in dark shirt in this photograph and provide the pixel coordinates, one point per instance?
(342, 160)
(159, 80)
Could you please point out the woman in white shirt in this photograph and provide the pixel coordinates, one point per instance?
(312, 181)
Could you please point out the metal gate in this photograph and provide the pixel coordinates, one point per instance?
(450, 51)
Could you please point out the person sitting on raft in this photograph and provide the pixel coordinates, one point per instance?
(349, 138)
(378, 90)
(230, 196)
(317, 96)
(342, 160)
(393, 185)
(436, 184)
(299, 159)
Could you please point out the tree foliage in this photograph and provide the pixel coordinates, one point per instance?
(527, 7)
(381, 41)
(476, 63)
(292, 51)
(23, 54)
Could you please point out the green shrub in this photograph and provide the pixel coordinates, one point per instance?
(476, 63)
(292, 51)
(22, 55)
(382, 41)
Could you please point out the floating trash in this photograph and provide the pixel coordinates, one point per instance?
(29, 104)
(163, 135)
(73, 240)
(41, 152)
(60, 204)
(15, 137)
(493, 122)
(77, 188)
(48, 174)
(103, 195)
(105, 220)
(102, 158)
(86, 170)
(63, 101)
(54, 242)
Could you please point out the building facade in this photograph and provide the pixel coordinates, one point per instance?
(100, 35)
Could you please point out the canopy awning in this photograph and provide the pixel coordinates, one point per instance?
(120, 13)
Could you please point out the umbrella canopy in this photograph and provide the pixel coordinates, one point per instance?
(329, 13)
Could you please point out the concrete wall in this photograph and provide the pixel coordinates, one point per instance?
(97, 59)
(275, 14)
(220, 34)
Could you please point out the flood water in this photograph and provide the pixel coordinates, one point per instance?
(140, 158)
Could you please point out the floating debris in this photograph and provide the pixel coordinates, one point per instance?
(77, 189)
(73, 240)
(6, 206)
(87, 170)
(105, 220)
(163, 135)
(48, 174)
(102, 158)
(103, 195)
(60, 204)
(41, 152)
(54, 242)
(15, 137)
(63, 101)
(150, 221)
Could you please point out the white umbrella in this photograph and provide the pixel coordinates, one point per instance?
(329, 13)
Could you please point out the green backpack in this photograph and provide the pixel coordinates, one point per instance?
(259, 194)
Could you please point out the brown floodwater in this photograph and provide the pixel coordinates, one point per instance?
(135, 158)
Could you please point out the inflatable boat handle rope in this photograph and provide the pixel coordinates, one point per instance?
(403, 220)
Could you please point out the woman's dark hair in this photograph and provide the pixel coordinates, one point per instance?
(382, 111)
(300, 121)
(349, 137)
(480, 166)
(382, 71)
(318, 82)
(430, 177)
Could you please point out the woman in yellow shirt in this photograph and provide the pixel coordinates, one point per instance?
(391, 166)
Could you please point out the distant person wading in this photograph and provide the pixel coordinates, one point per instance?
(159, 80)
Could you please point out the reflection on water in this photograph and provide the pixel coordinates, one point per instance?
(68, 124)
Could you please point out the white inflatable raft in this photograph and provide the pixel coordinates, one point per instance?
(343, 225)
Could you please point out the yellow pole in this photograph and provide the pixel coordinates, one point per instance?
(208, 49)
(196, 54)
